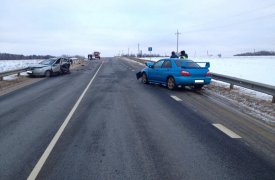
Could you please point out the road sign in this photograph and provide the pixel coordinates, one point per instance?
(150, 48)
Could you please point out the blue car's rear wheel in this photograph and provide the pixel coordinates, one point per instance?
(171, 85)
(144, 78)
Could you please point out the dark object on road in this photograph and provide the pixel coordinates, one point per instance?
(173, 55)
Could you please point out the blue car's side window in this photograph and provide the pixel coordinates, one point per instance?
(167, 64)
(158, 64)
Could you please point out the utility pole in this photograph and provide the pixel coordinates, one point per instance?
(177, 33)
(138, 50)
(128, 52)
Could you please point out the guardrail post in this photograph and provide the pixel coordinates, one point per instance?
(1, 78)
(231, 86)
(18, 74)
(273, 99)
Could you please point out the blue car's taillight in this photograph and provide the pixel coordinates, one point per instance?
(184, 73)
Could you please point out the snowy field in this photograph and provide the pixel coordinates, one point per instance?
(258, 69)
(6, 65)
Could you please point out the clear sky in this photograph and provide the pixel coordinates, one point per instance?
(72, 27)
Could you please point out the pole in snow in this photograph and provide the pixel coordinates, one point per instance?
(177, 33)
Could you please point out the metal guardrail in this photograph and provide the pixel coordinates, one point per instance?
(7, 73)
(260, 87)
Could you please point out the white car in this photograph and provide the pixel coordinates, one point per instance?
(49, 67)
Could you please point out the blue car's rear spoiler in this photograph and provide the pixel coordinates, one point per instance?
(196, 65)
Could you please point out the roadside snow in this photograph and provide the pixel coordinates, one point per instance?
(252, 102)
(6, 65)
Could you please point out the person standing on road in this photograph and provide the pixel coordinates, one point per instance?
(183, 55)
(173, 55)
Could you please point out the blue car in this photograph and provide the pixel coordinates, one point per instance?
(174, 72)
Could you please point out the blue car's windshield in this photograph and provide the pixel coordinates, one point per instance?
(48, 62)
(187, 64)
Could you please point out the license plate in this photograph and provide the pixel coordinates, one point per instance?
(29, 72)
(199, 81)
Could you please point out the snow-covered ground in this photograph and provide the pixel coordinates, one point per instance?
(258, 69)
(6, 65)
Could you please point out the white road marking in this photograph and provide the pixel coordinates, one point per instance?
(227, 131)
(176, 98)
(50, 147)
(133, 70)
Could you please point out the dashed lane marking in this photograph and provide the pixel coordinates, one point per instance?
(50, 147)
(176, 98)
(227, 131)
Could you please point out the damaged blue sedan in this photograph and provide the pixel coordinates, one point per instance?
(174, 72)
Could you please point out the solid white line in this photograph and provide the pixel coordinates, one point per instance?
(50, 147)
(176, 98)
(227, 131)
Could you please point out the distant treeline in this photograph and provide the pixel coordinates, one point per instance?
(7, 56)
(259, 53)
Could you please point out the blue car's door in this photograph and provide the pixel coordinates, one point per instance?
(165, 71)
(154, 72)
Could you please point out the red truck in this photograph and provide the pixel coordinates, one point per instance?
(97, 55)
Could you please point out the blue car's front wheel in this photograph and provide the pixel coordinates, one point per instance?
(144, 78)
(171, 85)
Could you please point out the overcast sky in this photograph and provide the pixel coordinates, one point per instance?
(72, 27)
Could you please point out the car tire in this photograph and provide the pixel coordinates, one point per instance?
(48, 73)
(171, 85)
(144, 78)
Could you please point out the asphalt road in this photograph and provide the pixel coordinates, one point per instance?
(123, 129)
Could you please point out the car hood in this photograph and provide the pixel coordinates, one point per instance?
(145, 69)
(38, 66)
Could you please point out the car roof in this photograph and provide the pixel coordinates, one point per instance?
(174, 59)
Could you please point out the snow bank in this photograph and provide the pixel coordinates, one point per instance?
(6, 65)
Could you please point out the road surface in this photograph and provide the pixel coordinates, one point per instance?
(99, 122)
